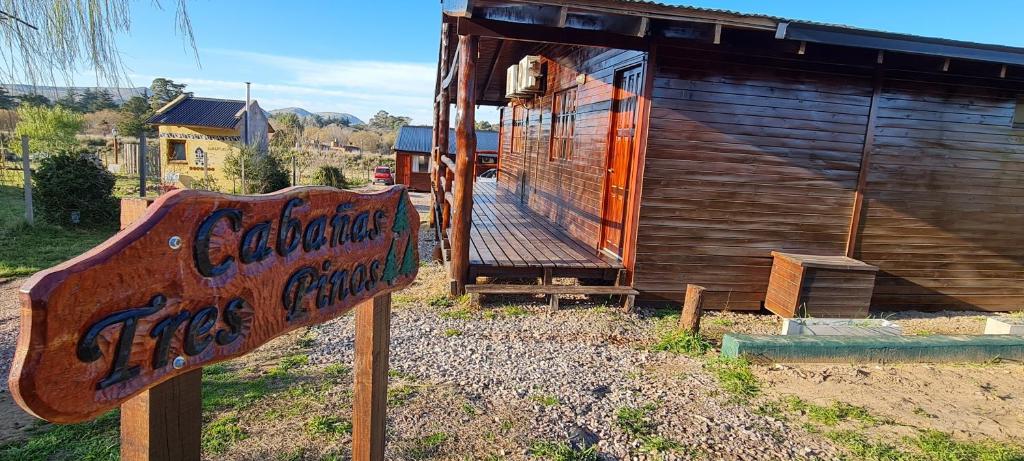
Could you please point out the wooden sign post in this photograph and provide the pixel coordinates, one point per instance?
(201, 278)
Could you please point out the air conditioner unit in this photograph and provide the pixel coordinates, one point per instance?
(531, 75)
(512, 82)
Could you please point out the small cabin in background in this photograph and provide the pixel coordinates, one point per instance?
(412, 154)
(197, 135)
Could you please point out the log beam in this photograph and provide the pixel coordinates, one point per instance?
(465, 141)
(865, 166)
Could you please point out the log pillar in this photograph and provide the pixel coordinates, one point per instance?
(465, 142)
(693, 308)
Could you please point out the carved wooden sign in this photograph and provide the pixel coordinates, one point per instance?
(201, 278)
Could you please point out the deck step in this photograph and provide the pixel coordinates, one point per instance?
(495, 289)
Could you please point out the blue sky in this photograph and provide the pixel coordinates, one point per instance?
(359, 57)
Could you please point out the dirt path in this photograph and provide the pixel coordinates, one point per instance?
(14, 422)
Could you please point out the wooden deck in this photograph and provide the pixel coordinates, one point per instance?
(511, 241)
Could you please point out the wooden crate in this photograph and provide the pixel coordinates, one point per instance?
(819, 286)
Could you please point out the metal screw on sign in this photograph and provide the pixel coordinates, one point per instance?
(178, 363)
(174, 242)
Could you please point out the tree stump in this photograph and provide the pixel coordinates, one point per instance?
(692, 309)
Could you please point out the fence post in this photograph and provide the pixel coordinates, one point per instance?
(369, 405)
(142, 164)
(25, 165)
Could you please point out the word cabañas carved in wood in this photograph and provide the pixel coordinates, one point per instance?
(202, 278)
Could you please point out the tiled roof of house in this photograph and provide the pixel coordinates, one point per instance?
(420, 139)
(206, 112)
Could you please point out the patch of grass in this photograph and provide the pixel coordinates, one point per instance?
(515, 311)
(489, 315)
(469, 409)
(307, 340)
(440, 301)
(399, 395)
(941, 446)
(452, 332)
(772, 410)
(223, 389)
(289, 363)
(682, 342)
(25, 250)
(336, 370)
(561, 451)
(636, 421)
(221, 433)
(930, 445)
(735, 377)
(722, 322)
(401, 375)
(97, 440)
(832, 414)
(427, 446)
(861, 447)
(328, 425)
(1019, 315)
(922, 332)
(546, 400)
(457, 314)
(656, 445)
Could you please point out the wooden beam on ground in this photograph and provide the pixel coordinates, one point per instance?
(465, 141)
(693, 307)
(865, 165)
(369, 404)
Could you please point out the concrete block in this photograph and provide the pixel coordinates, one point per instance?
(879, 349)
(1004, 326)
(840, 327)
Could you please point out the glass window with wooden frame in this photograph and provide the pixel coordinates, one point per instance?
(518, 129)
(176, 151)
(563, 124)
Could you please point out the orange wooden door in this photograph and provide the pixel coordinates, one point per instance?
(628, 86)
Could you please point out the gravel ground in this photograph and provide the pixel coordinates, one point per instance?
(556, 375)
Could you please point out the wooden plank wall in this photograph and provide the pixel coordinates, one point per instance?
(567, 192)
(745, 156)
(944, 215)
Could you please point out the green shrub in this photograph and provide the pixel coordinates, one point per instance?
(204, 183)
(73, 186)
(329, 176)
(264, 172)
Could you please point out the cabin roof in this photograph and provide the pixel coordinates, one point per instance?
(419, 138)
(204, 112)
(511, 29)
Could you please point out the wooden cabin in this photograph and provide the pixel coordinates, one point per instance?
(657, 146)
(197, 134)
(412, 154)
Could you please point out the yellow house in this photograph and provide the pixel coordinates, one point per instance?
(197, 134)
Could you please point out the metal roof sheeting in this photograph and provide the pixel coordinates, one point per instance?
(206, 112)
(421, 138)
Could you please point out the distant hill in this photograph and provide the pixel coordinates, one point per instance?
(303, 113)
(53, 93)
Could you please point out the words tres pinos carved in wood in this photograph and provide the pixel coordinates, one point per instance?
(201, 278)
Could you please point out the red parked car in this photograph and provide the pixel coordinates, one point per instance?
(383, 175)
